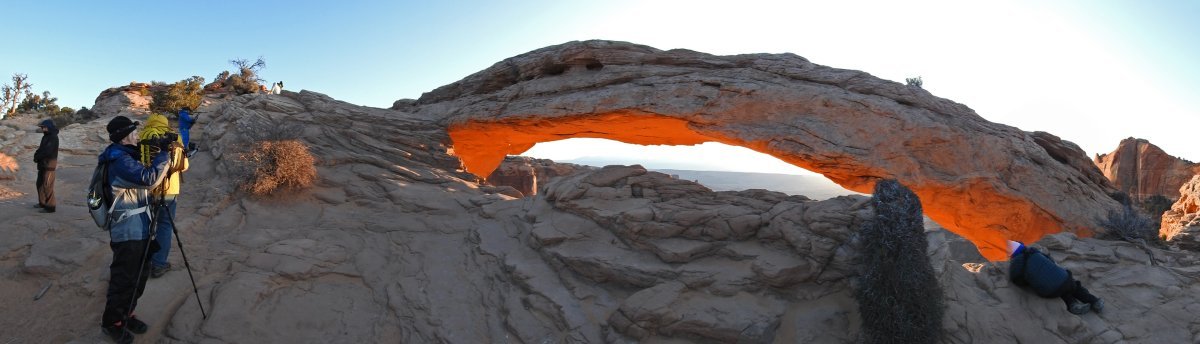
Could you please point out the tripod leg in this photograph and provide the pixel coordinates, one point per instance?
(179, 243)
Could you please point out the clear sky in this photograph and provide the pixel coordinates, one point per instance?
(1092, 72)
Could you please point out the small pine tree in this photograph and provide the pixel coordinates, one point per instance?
(12, 95)
(898, 295)
(914, 82)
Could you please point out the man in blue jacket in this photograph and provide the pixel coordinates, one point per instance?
(186, 121)
(129, 232)
(1030, 267)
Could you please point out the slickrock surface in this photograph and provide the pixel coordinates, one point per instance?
(1141, 169)
(986, 181)
(397, 243)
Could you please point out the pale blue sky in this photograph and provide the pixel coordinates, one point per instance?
(1092, 72)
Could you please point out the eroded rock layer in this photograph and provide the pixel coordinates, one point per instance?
(526, 175)
(1181, 224)
(986, 181)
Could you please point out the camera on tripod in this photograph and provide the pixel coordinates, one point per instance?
(164, 141)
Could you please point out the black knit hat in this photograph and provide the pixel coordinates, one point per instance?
(120, 127)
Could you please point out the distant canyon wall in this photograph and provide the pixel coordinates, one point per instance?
(1141, 169)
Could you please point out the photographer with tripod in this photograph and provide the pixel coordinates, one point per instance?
(128, 181)
(158, 134)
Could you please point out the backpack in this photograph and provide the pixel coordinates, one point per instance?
(100, 200)
(99, 197)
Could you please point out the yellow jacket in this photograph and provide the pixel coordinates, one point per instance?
(156, 126)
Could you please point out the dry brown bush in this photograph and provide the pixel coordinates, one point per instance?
(278, 165)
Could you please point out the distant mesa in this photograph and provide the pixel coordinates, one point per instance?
(1141, 169)
(986, 181)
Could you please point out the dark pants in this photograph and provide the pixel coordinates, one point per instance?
(124, 286)
(1076, 291)
(45, 189)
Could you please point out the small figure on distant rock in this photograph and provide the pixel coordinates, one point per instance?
(186, 121)
(46, 158)
(277, 88)
(1030, 267)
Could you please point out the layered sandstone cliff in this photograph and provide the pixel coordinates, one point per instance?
(129, 100)
(1141, 169)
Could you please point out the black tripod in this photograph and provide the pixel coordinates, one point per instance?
(157, 204)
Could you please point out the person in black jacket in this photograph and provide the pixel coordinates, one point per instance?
(1032, 268)
(46, 158)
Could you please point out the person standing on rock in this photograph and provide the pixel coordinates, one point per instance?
(129, 230)
(186, 121)
(46, 158)
(1030, 267)
(157, 128)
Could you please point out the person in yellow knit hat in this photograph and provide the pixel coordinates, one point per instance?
(158, 128)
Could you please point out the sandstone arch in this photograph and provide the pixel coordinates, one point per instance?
(983, 180)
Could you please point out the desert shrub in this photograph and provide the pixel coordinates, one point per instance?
(914, 82)
(64, 116)
(241, 84)
(247, 80)
(1128, 224)
(278, 165)
(183, 93)
(898, 295)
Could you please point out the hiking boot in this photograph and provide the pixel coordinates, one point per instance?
(1098, 305)
(136, 326)
(119, 334)
(1079, 308)
(158, 271)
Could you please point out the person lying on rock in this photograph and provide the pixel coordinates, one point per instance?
(1032, 268)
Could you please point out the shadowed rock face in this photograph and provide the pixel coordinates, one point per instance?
(526, 175)
(983, 180)
(1141, 169)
